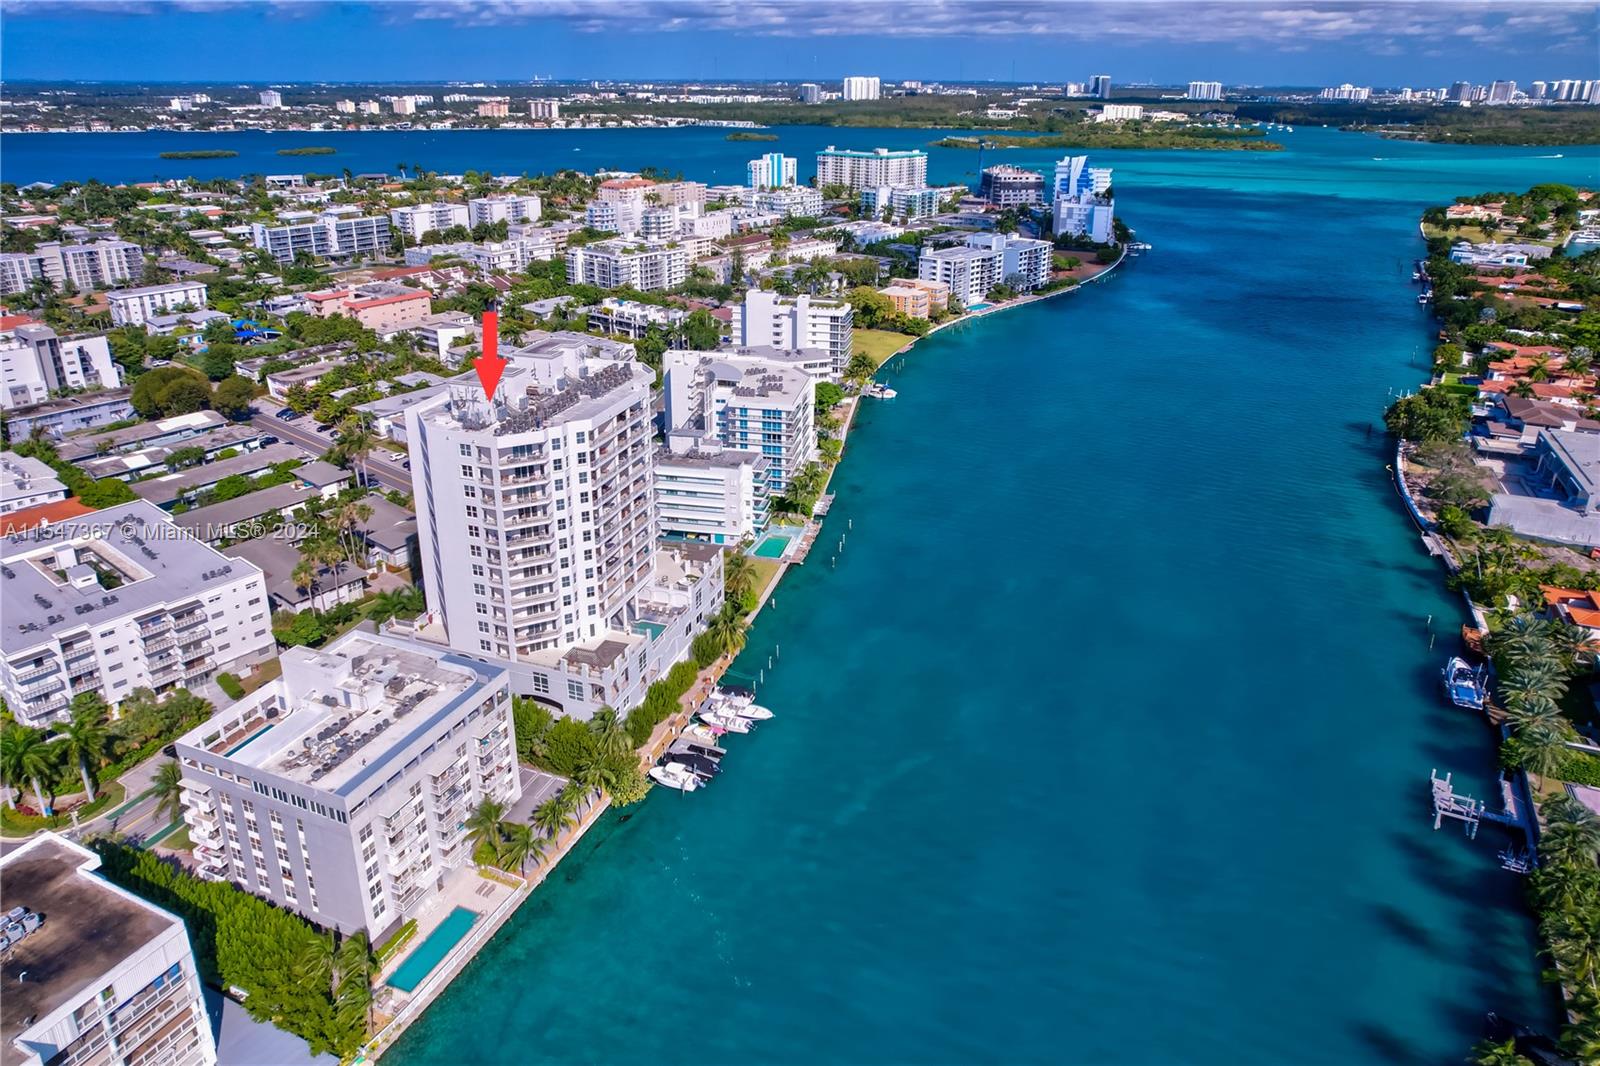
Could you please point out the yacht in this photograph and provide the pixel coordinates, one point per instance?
(675, 776)
(1464, 684)
(701, 733)
(1425, 297)
(726, 720)
(742, 705)
(703, 768)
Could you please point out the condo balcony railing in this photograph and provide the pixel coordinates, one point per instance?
(38, 673)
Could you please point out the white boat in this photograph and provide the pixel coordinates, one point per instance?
(726, 720)
(702, 733)
(675, 775)
(743, 706)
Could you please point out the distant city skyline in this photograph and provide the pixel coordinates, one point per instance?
(1238, 43)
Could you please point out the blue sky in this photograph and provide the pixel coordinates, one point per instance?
(1281, 42)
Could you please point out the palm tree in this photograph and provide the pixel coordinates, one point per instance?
(521, 844)
(1579, 362)
(1572, 831)
(485, 824)
(1543, 750)
(727, 629)
(304, 576)
(1541, 679)
(1534, 712)
(590, 777)
(167, 787)
(1539, 368)
(738, 575)
(312, 962)
(85, 737)
(1488, 1053)
(571, 799)
(611, 732)
(24, 756)
(352, 980)
(551, 817)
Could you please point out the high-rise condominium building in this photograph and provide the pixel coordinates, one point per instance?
(1205, 90)
(101, 976)
(637, 264)
(868, 170)
(537, 533)
(1100, 85)
(271, 98)
(341, 790)
(755, 400)
(862, 88)
(331, 235)
(548, 110)
(810, 93)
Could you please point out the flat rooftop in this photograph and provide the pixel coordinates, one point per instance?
(89, 928)
(172, 486)
(137, 560)
(350, 706)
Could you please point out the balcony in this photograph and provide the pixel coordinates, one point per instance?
(154, 627)
(37, 673)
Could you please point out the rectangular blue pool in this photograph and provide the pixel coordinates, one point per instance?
(428, 954)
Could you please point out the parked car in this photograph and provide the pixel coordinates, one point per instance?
(288, 414)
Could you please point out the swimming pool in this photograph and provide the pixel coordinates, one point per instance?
(420, 963)
(247, 741)
(650, 629)
(772, 546)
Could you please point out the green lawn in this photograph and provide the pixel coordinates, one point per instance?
(879, 344)
(766, 571)
(179, 841)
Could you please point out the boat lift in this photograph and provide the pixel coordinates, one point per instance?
(1447, 803)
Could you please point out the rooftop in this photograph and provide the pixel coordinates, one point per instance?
(1579, 453)
(84, 445)
(173, 486)
(153, 290)
(90, 926)
(345, 710)
(137, 560)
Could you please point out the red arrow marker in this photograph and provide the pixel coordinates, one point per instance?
(489, 365)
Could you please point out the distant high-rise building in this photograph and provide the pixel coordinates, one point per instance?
(1536, 91)
(862, 88)
(1347, 93)
(772, 171)
(810, 93)
(368, 107)
(869, 170)
(1501, 92)
(1100, 86)
(345, 107)
(1205, 90)
(549, 110)
(404, 105)
(1461, 91)
(271, 98)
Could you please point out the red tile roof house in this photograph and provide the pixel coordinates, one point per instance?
(1576, 606)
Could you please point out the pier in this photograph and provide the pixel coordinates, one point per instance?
(1448, 803)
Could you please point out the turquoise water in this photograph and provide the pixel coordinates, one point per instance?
(428, 954)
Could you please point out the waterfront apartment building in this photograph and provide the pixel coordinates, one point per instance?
(861, 88)
(641, 264)
(869, 170)
(795, 322)
(705, 492)
(987, 260)
(35, 362)
(509, 207)
(120, 601)
(1100, 85)
(548, 110)
(772, 171)
(83, 267)
(618, 205)
(537, 534)
(744, 400)
(330, 235)
(1120, 113)
(1074, 177)
(1009, 186)
(1083, 216)
(102, 977)
(917, 297)
(341, 790)
(135, 307)
(271, 98)
(418, 220)
(27, 482)
(810, 92)
(1205, 90)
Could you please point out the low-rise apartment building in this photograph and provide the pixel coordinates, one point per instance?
(67, 414)
(35, 362)
(418, 220)
(329, 235)
(633, 319)
(84, 267)
(26, 482)
(102, 976)
(705, 492)
(341, 790)
(507, 207)
(120, 600)
(644, 265)
(746, 403)
(135, 307)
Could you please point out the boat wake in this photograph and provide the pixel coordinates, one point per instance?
(1558, 155)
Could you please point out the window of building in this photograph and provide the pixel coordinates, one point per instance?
(575, 689)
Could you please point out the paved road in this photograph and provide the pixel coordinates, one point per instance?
(135, 816)
(303, 431)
